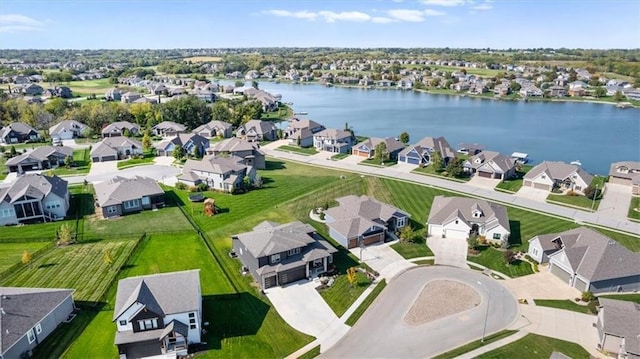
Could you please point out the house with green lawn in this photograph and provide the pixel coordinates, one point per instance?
(121, 195)
(34, 198)
(42, 158)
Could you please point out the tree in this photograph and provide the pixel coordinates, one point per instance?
(590, 192)
(254, 84)
(65, 235)
(509, 256)
(407, 234)
(515, 87)
(26, 257)
(146, 141)
(197, 153)
(247, 182)
(437, 161)
(351, 276)
(178, 153)
(404, 138)
(473, 241)
(12, 151)
(220, 111)
(126, 133)
(435, 82)
(455, 168)
(618, 96)
(239, 83)
(107, 257)
(381, 153)
(56, 106)
(600, 92)
(68, 161)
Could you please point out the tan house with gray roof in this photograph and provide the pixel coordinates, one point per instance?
(257, 130)
(168, 129)
(361, 220)
(619, 328)
(626, 173)
(118, 129)
(588, 260)
(490, 164)
(115, 148)
(42, 158)
(549, 175)
(458, 217)
(277, 254)
(367, 148)
(120, 195)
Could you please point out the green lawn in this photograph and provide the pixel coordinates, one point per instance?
(147, 159)
(564, 304)
(340, 156)
(3, 168)
(634, 208)
(81, 164)
(306, 151)
(88, 87)
(580, 201)
(375, 163)
(341, 294)
(514, 184)
(168, 219)
(537, 346)
(425, 262)
(412, 250)
(475, 345)
(21, 146)
(351, 321)
(430, 171)
(494, 259)
(628, 297)
(311, 353)
(79, 266)
(283, 113)
(11, 253)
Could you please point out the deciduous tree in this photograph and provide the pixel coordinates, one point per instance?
(404, 138)
(352, 276)
(381, 153)
(26, 257)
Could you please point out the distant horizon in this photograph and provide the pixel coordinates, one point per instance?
(319, 47)
(364, 24)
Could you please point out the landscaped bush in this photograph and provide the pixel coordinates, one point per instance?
(587, 296)
(572, 193)
(202, 187)
(181, 186)
(193, 189)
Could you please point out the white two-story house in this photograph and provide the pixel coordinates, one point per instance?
(333, 140)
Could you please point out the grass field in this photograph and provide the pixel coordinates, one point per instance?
(537, 346)
(203, 59)
(634, 208)
(11, 253)
(306, 151)
(412, 250)
(147, 159)
(89, 87)
(80, 266)
(494, 259)
(514, 184)
(81, 164)
(163, 220)
(475, 345)
(341, 294)
(632, 297)
(351, 321)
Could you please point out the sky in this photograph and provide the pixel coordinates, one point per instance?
(158, 24)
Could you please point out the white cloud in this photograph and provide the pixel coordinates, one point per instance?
(357, 16)
(482, 7)
(443, 2)
(308, 15)
(382, 20)
(12, 23)
(407, 15)
(430, 12)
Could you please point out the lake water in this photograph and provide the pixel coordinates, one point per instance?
(595, 134)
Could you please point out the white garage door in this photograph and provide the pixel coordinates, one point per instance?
(455, 233)
(561, 273)
(580, 285)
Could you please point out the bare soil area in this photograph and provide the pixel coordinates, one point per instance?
(440, 299)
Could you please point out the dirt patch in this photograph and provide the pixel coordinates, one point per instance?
(440, 299)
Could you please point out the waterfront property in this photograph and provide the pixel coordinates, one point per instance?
(333, 140)
(619, 328)
(550, 175)
(626, 173)
(225, 174)
(28, 316)
(300, 132)
(420, 153)
(490, 164)
(158, 314)
(191, 143)
(115, 148)
(249, 151)
(367, 148)
(119, 195)
(277, 254)
(120, 128)
(257, 130)
(68, 129)
(42, 158)
(361, 220)
(168, 129)
(588, 260)
(214, 129)
(34, 198)
(457, 217)
(18, 132)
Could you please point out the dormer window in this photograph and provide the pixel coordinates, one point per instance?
(477, 214)
(293, 251)
(148, 324)
(123, 322)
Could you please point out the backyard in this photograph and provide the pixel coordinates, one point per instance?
(146, 159)
(81, 164)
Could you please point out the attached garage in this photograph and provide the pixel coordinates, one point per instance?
(353, 242)
(103, 158)
(618, 180)
(374, 238)
(561, 273)
(580, 285)
(543, 186)
(485, 174)
(270, 282)
(409, 160)
(455, 233)
(292, 275)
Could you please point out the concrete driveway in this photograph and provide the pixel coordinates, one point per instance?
(382, 332)
(302, 307)
(541, 285)
(164, 160)
(615, 202)
(535, 194)
(481, 182)
(449, 251)
(103, 168)
(383, 259)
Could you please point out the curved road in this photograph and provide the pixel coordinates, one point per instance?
(382, 333)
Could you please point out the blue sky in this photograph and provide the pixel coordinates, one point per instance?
(107, 24)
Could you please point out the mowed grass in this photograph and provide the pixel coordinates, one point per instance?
(146, 159)
(514, 184)
(634, 208)
(306, 151)
(79, 266)
(164, 220)
(342, 294)
(81, 164)
(627, 297)
(475, 345)
(537, 346)
(494, 259)
(11, 253)
(33, 232)
(563, 304)
(89, 87)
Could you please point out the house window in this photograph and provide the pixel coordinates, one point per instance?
(456, 221)
(38, 328)
(275, 258)
(193, 326)
(52, 205)
(293, 251)
(123, 322)
(148, 324)
(7, 213)
(192, 315)
(134, 203)
(400, 222)
(497, 236)
(192, 321)
(31, 336)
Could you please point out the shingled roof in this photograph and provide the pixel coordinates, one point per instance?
(496, 159)
(34, 185)
(445, 209)
(269, 238)
(41, 154)
(120, 189)
(356, 214)
(558, 170)
(622, 319)
(429, 144)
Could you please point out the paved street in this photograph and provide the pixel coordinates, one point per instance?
(382, 332)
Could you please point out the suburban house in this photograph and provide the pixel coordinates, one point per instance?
(626, 173)
(28, 316)
(300, 132)
(361, 220)
(130, 97)
(34, 198)
(118, 129)
(491, 164)
(32, 89)
(557, 91)
(214, 129)
(114, 94)
(158, 315)
(277, 254)
(168, 129)
(333, 140)
(119, 195)
(248, 151)
(41, 158)
(190, 142)
(619, 328)
(68, 129)
(367, 148)
(420, 153)
(18, 132)
(549, 175)
(588, 260)
(458, 217)
(62, 92)
(115, 148)
(257, 130)
(225, 174)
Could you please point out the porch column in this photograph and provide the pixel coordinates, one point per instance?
(306, 266)
(324, 261)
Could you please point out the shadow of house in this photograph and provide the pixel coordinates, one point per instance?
(515, 239)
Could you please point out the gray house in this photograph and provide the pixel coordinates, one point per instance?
(224, 174)
(491, 164)
(188, 141)
(18, 132)
(277, 254)
(300, 132)
(115, 148)
(250, 152)
(420, 153)
(588, 260)
(258, 130)
(158, 315)
(34, 198)
(619, 328)
(168, 129)
(41, 158)
(333, 140)
(28, 316)
(118, 129)
(120, 195)
(626, 173)
(367, 148)
(213, 129)
(361, 220)
(555, 174)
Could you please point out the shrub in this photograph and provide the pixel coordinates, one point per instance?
(571, 193)
(321, 215)
(587, 296)
(202, 187)
(181, 186)
(590, 192)
(193, 189)
(509, 256)
(593, 306)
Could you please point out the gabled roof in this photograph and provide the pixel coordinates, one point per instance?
(632, 169)
(120, 189)
(392, 144)
(181, 140)
(215, 164)
(41, 154)
(19, 127)
(233, 144)
(557, 170)
(165, 293)
(110, 145)
(23, 308)
(356, 214)
(265, 239)
(445, 209)
(211, 125)
(120, 126)
(259, 126)
(305, 123)
(429, 144)
(622, 319)
(495, 159)
(34, 185)
(597, 257)
(170, 125)
(334, 134)
(68, 125)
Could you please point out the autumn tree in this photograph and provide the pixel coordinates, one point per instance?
(351, 276)
(65, 235)
(26, 257)
(146, 141)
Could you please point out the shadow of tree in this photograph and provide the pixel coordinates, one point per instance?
(515, 238)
